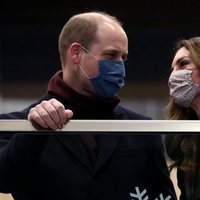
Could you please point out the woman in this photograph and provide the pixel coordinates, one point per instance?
(184, 104)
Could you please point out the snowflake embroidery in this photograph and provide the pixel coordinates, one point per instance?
(139, 195)
(142, 195)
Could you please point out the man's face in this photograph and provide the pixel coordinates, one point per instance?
(112, 44)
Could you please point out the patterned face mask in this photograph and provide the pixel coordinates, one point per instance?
(182, 88)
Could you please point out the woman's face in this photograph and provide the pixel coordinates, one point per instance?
(182, 60)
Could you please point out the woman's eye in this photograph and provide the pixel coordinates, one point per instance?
(184, 63)
(181, 64)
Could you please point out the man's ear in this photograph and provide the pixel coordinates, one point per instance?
(75, 51)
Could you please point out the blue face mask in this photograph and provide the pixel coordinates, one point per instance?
(110, 78)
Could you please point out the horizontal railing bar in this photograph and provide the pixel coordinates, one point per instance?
(132, 126)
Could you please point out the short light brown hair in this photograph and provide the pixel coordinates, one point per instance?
(80, 28)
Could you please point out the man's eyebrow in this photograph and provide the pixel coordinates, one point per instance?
(114, 51)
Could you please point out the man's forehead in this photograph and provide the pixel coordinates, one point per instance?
(109, 25)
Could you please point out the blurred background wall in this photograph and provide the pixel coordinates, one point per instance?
(29, 56)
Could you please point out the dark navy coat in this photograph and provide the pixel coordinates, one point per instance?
(56, 166)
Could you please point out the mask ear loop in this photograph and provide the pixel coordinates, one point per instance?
(84, 72)
(89, 52)
(89, 77)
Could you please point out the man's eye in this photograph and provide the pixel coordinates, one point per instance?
(111, 55)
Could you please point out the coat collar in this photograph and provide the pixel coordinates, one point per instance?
(84, 107)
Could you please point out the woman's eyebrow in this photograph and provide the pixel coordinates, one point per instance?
(179, 60)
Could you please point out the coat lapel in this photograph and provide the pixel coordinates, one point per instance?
(75, 145)
(107, 145)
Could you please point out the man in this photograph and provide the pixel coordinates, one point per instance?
(93, 47)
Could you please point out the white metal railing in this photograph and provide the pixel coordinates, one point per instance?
(128, 126)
